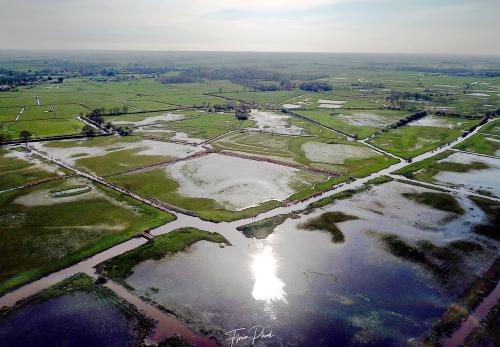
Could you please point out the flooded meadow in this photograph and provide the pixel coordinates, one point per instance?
(304, 287)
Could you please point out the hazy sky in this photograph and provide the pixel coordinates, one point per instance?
(420, 26)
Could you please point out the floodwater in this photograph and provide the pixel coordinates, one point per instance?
(433, 121)
(486, 179)
(76, 319)
(72, 154)
(365, 119)
(274, 123)
(234, 182)
(308, 290)
(167, 117)
(335, 153)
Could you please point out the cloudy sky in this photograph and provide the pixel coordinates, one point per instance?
(409, 26)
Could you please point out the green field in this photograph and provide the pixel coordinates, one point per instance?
(482, 144)
(44, 233)
(42, 128)
(410, 141)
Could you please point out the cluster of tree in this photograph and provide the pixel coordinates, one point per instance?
(88, 131)
(410, 118)
(121, 130)
(367, 85)
(179, 79)
(396, 96)
(458, 115)
(452, 71)
(59, 79)
(124, 130)
(493, 114)
(315, 86)
(4, 138)
(11, 79)
(242, 112)
(220, 107)
(482, 122)
(97, 114)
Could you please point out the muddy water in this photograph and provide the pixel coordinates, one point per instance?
(474, 320)
(305, 288)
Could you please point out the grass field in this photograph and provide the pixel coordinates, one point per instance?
(42, 128)
(410, 141)
(481, 143)
(44, 233)
(492, 128)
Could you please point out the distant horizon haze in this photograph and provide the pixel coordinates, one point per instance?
(444, 27)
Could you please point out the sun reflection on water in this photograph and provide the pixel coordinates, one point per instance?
(267, 286)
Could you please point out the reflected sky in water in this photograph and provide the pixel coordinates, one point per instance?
(267, 286)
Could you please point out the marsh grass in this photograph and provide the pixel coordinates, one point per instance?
(327, 222)
(425, 170)
(265, 227)
(492, 210)
(441, 201)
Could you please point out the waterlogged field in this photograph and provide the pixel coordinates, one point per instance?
(75, 312)
(354, 122)
(19, 167)
(55, 224)
(303, 282)
(332, 155)
(473, 172)
(203, 128)
(218, 187)
(427, 134)
(113, 154)
(400, 260)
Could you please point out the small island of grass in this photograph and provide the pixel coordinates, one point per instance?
(326, 222)
(441, 201)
